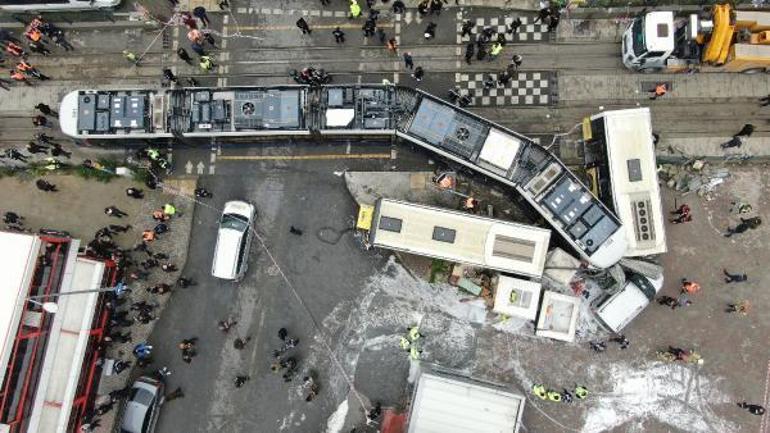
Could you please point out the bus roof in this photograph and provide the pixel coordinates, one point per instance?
(460, 237)
(634, 179)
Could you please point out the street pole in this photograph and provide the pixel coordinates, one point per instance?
(75, 292)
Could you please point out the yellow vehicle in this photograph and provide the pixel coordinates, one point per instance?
(727, 41)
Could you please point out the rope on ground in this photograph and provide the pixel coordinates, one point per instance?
(288, 283)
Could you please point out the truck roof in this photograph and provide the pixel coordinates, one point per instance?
(659, 31)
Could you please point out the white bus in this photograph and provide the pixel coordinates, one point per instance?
(620, 159)
(56, 5)
(459, 237)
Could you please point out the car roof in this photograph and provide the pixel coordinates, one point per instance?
(135, 412)
(239, 207)
(226, 254)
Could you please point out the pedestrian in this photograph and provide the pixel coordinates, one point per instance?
(114, 212)
(46, 186)
(746, 131)
(209, 38)
(481, 51)
(381, 35)
(373, 414)
(752, 408)
(175, 394)
(514, 28)
(134, 193)
(11, 217)
(368, 27)
(621, 340)
(182, 53)
(355, 9)
(295, 231)
(539, 390)
(566, 396)
(503, 78)
(435, 6)
(667, 301)
(764, 101)
(744, 225)
(46, 110)
(119, 229)
(742, 307)
(282, 334)
(430, 31)
(57, 150)
(34, 148)
(469, 52)
(581, 392)
(15, 155)
(495, 51)
(398, 7)
(240, 343)
(408, 61)
(60, 41)
(225, 325)
(392, 45)
(169, 76)
(734, 278)
(489, 82)
(302, 25)
(148, 236)
(553, 20)
(542, 14)
(240, 380)
(598, 346)
(185, 282)
(40, 121)
(660, 90)
(690, 287)
(195, 36)
(206, 63)
(418, 73)
(325, 2)
(131, 57)
(200, 13)
(167, 267)
(197, 49)
(339, 35)
(312, 387)
(20, 77)
(467, 28)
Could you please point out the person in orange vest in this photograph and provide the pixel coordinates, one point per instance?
(33, 35)
(148, 235)
(690, 287)
(660, 90)
(30, 70)
(195, 36)
(14, 49)
(19, 76)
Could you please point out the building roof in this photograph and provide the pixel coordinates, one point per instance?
(18, 257)
(443, 404)
(65, 352)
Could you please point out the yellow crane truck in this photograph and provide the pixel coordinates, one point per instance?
(726, 40)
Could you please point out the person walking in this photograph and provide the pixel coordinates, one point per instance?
(182, 53)
(430, 31)
(20, 77)
(45, 186)
(392, 45)
(114, 212)
(295, 231)
(134, 192)
(325, 2)
(169, 76)
(46, 110)
(754, 409)
(197, 49)
(369, 27)
(734, 278)
(39, 48)
(355, 9)
(240, 343)
(418, 73)
(57, 150)
(690, 287)
(40, 121)
(34, 148)
(495, 51)
(408, 61)
(131, 57)
(660, 90)
(516, 61)
(621, 340)
(206, 63)
(239, 380)
(200, 13)
(514, 27)
(764, 101)
(302, 25)
(467, 28)
(398, 7)
(339, 35)
(470, 50)
(15, 155)
(741, 307)
(744, 225)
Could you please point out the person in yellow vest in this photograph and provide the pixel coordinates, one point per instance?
(355, 9)
(404, 343)
(495, 51)
(581, 392)
(169, 209)
(414, 353)
(414, 333)
(131, 57)
(206, 63)
(553, 395)
(539, 390)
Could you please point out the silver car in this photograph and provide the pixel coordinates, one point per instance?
(143, 406)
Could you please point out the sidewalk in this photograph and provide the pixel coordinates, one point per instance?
(75, 210)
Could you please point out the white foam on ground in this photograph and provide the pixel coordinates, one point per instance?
(336, 421)
(673, 394)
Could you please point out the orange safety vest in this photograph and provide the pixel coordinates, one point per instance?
(660, 90)
(195, 35)
(33, 35)
(690, 287)
(13, 49)
(148, 235)
(18, 76)
(24, 66)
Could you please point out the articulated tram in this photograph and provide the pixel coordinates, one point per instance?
(190, 114)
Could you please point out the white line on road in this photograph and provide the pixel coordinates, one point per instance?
(766, 402)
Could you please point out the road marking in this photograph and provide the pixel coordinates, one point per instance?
(766, 402)
(213, 156)
(320, 26)
(306, 157)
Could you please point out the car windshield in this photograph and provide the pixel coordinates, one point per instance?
(235, 222)
(637, 35)
(142, 396)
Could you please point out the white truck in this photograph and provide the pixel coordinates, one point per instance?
(617, 309)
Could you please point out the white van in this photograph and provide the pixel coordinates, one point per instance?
(233, 241)
(618, 309)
